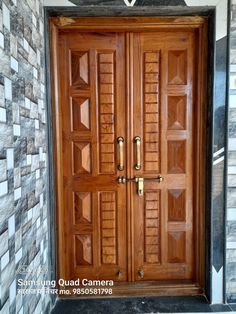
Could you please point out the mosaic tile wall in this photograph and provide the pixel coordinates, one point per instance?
(231, 214)
(23, 165)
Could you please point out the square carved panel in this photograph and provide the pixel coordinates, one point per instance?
(177, 247)
(80, 68)
(176, 205)
(177, 67)
(176, 156)
(82, 207)
(80, 114)
(82, 157)
(177, 112)
(83, 249)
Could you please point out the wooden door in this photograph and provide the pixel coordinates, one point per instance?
(91, 90)
(163, 119)
(111, 85)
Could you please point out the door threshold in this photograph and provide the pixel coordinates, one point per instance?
(138, 289)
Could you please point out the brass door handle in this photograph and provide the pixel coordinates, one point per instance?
(137, 141)
(120, 141)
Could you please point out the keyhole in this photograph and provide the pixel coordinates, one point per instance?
(141, 273)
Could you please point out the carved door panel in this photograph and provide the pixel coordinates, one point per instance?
(163, 119)
(91, 85)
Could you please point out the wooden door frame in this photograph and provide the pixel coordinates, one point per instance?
(132, 24)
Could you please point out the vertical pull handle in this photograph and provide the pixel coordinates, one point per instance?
(137, 141)
(120, 141)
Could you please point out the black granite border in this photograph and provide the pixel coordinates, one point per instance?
(209, 156)
(52, 239)
(139, 305)
(105, 11)
(121, 2)
(226, 299)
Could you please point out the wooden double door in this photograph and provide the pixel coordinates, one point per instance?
(126, 156)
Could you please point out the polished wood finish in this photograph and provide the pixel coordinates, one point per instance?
(107, 84)
(91, 96)
(163, 117)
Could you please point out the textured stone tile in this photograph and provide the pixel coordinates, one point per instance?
(232, 159)
(6, 135)
(231, 256)
(1, 40)
(1, 20)
(6, 206)
(27, 127)
(34, 111)
(4, 242)
(5, 308)
(19, 303)
(35, 162)
(17, 177)
(231, 273)
(3, 115)
(5, 260)
(232, 197)
(232, 115)
(232, 129)
(5, 63)
(10, 158)
(231, 231)
(2, 96)
(232, 180)
(6, 278)
(18, 89)
(10, 175)
(233, 56)
(19, 150)
(28, 183)
(6, 16)
(3, 188)
(13, 45)
(8, 88)
(40, 139)
(3, 170)
(18, 240)
(7, 43)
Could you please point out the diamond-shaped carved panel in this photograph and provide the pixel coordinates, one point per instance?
(81, 114)
(83, 249)
(82, 207)
(176, 156)
(177, 112)
(176, 205)
(80, 68)
(177, 247)
(177, 67)
(81, 158)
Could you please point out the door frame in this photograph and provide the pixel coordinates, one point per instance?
(66, 19)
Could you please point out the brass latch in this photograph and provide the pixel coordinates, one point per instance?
(140, 186)
(139, 181)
